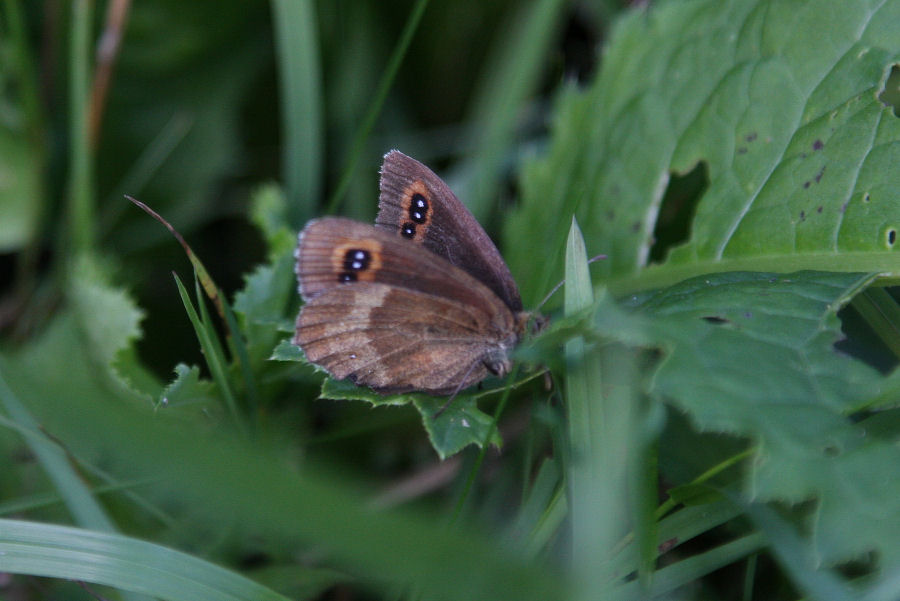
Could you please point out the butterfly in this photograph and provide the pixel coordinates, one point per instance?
(421, 301)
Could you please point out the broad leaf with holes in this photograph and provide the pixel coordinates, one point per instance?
(778, 105)
(753, 354)
(721, 139)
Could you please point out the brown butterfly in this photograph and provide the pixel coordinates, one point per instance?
(422, 301)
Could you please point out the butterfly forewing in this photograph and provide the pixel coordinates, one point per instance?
(417, 205)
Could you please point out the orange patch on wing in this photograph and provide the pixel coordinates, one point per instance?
(340, 252)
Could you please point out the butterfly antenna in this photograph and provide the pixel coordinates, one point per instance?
(563, 281)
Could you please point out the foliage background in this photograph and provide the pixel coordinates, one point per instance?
(706, 436)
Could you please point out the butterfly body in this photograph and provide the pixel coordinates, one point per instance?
(415, 303)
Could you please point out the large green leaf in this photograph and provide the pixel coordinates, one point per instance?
(779, 101)
(753, 354)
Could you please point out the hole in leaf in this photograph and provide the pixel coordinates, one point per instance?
(890, 95)
(580, 41)
(861, 341)
(673, 224)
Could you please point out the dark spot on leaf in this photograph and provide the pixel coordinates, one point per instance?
(714, 319)
(806, 184)
(817, 145)
(636, 227)
(890, 94)
(891, 236)
(802, 215)
(676, 213)
(819, 209)
(742, 150)
(866, 197)
(831, 450)
(748, 315)
(820, 174)
(255, 560)
(750, 137)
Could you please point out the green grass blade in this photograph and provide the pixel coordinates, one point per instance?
(510, 79)
(384, 86)
(583, 386)
(672, 577)
(239, 348)
(148, 163)
(297, 47)
(82, 218)
(212, 350)
(121, 562)
(77, 496)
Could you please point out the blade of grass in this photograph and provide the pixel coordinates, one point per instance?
(202, 275)
(489, 436)
(583, 386)
(384, 86)
(122, 562)
(107, 53)
(605, 441)
(212, 350)
(297, 49)
(239, 350)
(670, 578)
(75, 493)
(513, 73)
(675, 530)
(26, 77)
(81, 204)
(145, 167)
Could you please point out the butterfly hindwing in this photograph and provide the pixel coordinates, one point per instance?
(395, 339)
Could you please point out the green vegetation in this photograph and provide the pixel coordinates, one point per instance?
(723, 420)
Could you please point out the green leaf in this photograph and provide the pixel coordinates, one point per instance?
(778, 101)
(110, 323)
(188, 388)
(458, 426)
(269, 214)
(286, 351)
(753, 354)
(263, 302)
